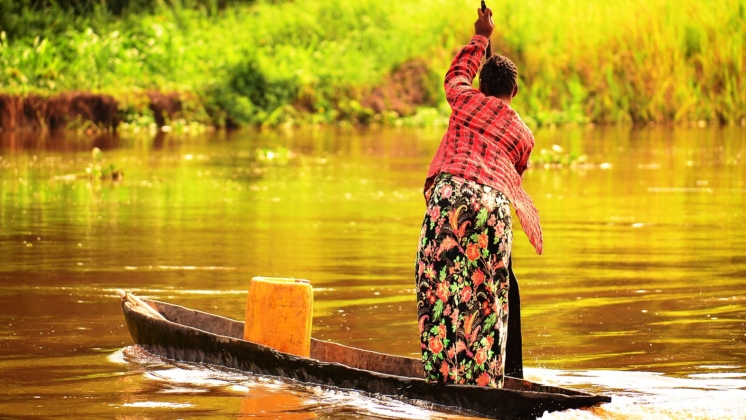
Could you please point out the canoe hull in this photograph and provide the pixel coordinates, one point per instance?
(194, 336)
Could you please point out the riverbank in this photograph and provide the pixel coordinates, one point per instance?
(235, 64)
(89, 112)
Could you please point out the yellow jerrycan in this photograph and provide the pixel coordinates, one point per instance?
(279, 314)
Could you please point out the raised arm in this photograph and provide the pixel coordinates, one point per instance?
(465, 65)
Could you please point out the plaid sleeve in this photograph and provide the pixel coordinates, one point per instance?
(522, 164)
(464, 67)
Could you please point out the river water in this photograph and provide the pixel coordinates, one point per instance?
(639, 294)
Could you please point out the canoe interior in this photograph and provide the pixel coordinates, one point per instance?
(323, 351)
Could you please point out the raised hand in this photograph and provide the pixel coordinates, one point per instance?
(484, 25)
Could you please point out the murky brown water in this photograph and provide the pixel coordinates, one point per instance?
(639, 294)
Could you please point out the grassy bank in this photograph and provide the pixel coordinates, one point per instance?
(330, 60)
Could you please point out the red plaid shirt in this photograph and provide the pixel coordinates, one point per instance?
(486, 142)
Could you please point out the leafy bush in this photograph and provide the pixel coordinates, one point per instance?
(247, 96)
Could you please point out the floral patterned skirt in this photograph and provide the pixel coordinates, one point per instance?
(462, 282)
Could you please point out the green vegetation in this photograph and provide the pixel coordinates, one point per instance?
(275, 62)
(96, 170)
(556, 157)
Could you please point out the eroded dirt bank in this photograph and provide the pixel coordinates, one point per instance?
(79, 109)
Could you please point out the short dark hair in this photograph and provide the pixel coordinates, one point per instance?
(499, 76)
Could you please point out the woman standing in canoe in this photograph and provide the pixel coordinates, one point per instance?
(467, 236)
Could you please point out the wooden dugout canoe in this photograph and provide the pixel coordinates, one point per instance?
(188, 335)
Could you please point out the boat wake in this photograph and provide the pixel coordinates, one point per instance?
(267, 397)
(636, 395)
(718, 395)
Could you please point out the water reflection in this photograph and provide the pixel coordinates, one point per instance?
(32, 140)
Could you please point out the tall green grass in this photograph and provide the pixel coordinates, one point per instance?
(652, 60)
(269, 62)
